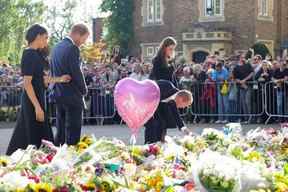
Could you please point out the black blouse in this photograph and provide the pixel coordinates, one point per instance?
(161, 71)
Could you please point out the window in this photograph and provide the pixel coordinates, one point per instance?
(152, 12)
(150, 8)
(213, 8)
(150, 51)
(158, 10)
(265, 9)
(156, 49)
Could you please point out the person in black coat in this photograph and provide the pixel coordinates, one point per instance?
(162, 70)
(69, 98)
(32, 121)
(170, 100)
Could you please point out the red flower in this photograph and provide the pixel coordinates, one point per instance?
(62, 189)
(50, 157)
(36, 179)
(190, 187)
(154, 149)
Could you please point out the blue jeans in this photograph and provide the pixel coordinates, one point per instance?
(223, 105)
(279, 96)
(245, 106)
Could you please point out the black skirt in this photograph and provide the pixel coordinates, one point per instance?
(28, 131)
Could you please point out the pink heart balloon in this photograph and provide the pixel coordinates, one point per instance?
(136, 101)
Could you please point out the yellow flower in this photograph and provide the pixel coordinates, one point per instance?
(20, 190)
(254, 156)
(87, 139)
(81, 146)
(155, 181)
(3, 162)
(281, 187)
(40, 187)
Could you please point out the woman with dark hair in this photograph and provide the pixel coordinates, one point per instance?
(161, 68)
(167, 115)
(32, 125)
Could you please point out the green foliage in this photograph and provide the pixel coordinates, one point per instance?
(259, 49)
(60, 19)
(119, 23)
(15, 17)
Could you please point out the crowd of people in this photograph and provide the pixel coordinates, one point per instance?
(237, 88)
(227, 89)
(10, 76)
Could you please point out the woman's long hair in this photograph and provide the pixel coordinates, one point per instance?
(166, 42)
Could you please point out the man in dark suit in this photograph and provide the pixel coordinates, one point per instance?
(167, 114)
(69, 100)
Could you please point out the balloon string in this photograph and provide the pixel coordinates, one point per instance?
(133, 143)
(133, 140)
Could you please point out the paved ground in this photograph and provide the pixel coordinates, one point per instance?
(118, 131)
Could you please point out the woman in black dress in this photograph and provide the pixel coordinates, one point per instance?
(32, 125)
(161, 68)
(155, 127)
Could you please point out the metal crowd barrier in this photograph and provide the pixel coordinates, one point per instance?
(236, 103)
(99, 106)
(276, 100)
(264, 101)
(10, 99)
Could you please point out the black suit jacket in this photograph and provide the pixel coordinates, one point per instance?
(168, 111)
(65, 59)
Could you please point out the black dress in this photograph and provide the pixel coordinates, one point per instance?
(28, 131)
(161, 71)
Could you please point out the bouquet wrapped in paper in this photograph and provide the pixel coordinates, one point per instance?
(218, 173)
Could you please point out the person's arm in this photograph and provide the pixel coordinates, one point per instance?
(75, 70)
(179, 122)
(62, 79)
(27, 83)
(249, 76)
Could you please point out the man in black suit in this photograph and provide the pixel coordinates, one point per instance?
(69, 100)
(167, 114)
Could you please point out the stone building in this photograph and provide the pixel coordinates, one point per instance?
(202, 27)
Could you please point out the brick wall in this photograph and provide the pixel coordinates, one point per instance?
(240, 19)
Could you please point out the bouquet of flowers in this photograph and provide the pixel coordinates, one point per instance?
(218, 173)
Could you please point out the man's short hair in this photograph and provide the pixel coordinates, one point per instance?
(80, 29)
(186, 96)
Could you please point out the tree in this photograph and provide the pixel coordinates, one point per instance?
(60, 20)
(15, 17)
(94, 53)
(119, 23)
(259, 49)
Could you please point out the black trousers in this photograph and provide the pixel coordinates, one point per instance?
(155, 129)
(68, 123)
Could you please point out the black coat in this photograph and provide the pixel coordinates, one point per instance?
(166, 115)
(169, 111)
(65, 59)
(161, 71)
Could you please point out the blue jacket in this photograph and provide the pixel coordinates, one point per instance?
(223, 74)
(65, 59)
